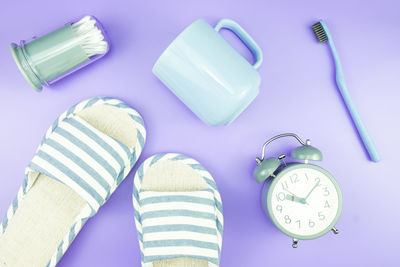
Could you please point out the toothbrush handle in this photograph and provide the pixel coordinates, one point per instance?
(362, 130)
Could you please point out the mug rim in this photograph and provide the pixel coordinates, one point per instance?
(174, 41)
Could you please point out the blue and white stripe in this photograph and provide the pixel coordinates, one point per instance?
(178, 224)
(70, 166)
(90, 162)
(194, 236)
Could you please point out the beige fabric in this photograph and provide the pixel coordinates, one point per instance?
(166, 175)
(111, 121)
(181, 262)
(50, 208)
(169, 176)
(40, 223)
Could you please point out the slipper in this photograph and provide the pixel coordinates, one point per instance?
(82, 159)
(178, 213)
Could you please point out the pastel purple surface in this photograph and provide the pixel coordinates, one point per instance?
(297, 94)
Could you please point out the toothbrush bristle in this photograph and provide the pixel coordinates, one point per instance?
(320, 32)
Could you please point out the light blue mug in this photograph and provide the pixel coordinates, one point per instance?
(208, 74)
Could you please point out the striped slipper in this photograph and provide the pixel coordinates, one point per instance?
(82, 159)
(178, 213)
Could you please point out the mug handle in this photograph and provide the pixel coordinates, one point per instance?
(244, 36)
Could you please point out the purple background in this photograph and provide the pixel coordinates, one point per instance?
(297, 94)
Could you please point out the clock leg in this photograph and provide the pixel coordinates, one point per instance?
(335, 231)
(294, 244)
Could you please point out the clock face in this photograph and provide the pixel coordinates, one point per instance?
(304, 201)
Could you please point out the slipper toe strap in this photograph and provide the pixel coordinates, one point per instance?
(83, 158)
(179, 224)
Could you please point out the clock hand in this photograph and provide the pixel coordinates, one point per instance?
(287, 190)
(295, 198)
(312, 189)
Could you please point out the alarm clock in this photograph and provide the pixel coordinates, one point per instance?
(303, 200)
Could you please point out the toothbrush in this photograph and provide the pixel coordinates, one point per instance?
(322, 33)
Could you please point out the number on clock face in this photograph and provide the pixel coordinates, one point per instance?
(304, 201)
